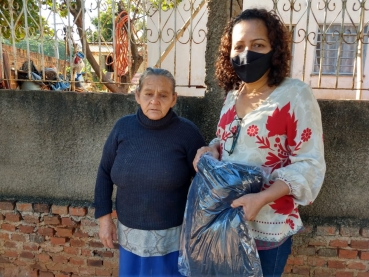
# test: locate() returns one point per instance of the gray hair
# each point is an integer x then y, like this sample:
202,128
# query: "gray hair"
157,72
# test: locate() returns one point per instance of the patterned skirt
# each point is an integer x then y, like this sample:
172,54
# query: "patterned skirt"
148,252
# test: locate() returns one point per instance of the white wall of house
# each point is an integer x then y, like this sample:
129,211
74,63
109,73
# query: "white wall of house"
303,66
186,60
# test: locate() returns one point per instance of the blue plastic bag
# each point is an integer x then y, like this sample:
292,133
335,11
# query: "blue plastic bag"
215,240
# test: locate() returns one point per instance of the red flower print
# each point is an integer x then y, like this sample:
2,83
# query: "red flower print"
283,205
290,222
306,134
281,122
252,130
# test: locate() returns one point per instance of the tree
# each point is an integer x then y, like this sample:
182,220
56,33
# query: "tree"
12,20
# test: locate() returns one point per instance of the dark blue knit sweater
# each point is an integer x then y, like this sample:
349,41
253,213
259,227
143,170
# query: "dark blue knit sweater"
150,161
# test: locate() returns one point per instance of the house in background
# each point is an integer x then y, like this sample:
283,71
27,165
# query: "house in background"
336,56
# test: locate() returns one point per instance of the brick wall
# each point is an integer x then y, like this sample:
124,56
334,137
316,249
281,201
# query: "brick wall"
22,56
330,250
42,240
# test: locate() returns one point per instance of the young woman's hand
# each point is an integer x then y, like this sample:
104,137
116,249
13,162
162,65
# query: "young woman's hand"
107,231
253,202
213,149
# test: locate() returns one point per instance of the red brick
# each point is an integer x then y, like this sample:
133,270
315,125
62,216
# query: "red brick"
316,261
64,232
103,272
363,274
10,244
67,221
62,275
8,227
347,254
364,255
56,267
4,260
359,244
339,243
11,253
349,231
77,261
318,242
356,265
115,272
303,270
58,241
327,252
41,208
13,217
4,236
364,232
2,217
31,246
323,272
27,255
86,252
44,258
31,219
96,244
71,250
7,205
61,210
80,234
60,259
306,251
336,264
77,243
27,229
87,270
52,220
96,263
18,237
77,211
24,207
110,264
46,274
326,230
109,254
46,231
344,274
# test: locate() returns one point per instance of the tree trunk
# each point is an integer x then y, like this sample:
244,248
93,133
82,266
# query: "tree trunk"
136,57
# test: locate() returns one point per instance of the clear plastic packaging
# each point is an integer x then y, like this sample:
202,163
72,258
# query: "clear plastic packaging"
215,240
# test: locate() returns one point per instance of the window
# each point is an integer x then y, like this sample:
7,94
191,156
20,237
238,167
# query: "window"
331,50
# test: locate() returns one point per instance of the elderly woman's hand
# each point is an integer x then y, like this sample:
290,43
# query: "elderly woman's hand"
213,149
107,231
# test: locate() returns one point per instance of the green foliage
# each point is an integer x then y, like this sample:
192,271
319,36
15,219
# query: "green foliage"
12,18
165,4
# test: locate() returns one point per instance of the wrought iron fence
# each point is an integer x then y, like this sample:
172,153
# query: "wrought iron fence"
329,42
102,42
96,45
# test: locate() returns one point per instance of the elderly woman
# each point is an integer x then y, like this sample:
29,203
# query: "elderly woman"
148,156
271,121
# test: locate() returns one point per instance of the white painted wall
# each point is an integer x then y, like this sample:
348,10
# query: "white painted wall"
302,66
186,60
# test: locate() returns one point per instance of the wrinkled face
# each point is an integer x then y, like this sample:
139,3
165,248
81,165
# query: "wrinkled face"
250,35
156,96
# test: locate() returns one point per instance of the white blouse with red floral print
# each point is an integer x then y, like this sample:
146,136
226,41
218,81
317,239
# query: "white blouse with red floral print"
284,136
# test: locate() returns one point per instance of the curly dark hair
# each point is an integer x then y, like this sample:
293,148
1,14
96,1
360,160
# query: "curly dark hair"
280,43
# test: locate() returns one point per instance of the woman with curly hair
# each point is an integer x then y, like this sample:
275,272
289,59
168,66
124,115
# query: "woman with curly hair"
271,121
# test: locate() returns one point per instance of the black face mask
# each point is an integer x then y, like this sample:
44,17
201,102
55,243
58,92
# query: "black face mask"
250,66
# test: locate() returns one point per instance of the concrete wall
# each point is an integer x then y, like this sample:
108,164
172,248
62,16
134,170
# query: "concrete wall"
51,144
